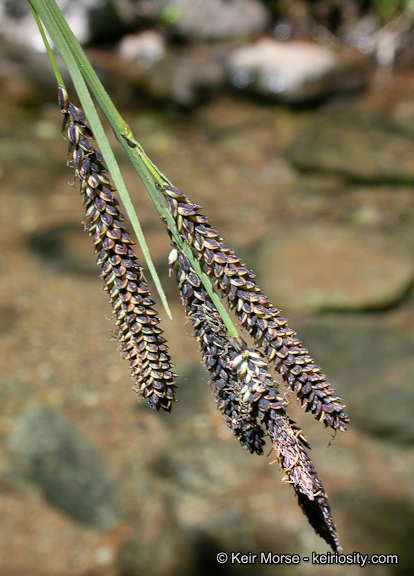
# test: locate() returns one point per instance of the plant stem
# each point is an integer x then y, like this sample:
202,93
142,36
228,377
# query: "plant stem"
78,65
41,8
58,75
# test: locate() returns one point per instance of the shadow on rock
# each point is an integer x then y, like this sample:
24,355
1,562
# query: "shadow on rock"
70,472
385,526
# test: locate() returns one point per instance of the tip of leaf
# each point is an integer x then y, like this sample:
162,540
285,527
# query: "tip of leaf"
167,310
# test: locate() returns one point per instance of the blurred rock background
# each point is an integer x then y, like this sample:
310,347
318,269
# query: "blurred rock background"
292,123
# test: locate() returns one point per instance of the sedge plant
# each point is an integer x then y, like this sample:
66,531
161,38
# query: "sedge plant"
212,281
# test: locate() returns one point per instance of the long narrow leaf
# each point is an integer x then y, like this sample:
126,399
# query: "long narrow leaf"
145,168
73,67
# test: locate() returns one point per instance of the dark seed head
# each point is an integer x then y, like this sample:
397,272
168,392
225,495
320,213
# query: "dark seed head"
63,99
77,114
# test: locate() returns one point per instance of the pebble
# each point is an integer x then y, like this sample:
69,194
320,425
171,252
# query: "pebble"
292,72
145,48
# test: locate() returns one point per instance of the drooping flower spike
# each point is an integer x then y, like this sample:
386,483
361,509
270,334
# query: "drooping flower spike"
255,312
137,321
248,398
243,387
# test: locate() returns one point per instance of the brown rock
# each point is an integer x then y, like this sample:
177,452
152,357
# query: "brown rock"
327,267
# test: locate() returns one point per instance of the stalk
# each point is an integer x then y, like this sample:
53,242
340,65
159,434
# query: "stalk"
81,71
243,385
40,9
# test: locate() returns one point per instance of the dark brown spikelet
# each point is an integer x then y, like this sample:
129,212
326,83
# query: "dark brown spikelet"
137,321
256,313
247,397
215,350
288,442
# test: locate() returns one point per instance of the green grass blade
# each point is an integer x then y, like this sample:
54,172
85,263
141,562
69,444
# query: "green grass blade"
88,107
145,168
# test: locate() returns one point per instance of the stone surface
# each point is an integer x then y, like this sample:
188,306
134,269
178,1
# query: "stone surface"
185,75
214,19
359,146
370,363
58,459
145,48
334,267
293,72
199,491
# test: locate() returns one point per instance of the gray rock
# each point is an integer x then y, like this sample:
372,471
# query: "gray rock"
71,473
359,146
185,76
334,267
294,72
369,360
210,19
90,20
145,48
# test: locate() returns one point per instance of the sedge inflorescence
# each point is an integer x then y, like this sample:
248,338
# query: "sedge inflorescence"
241,379
256,313
137,320
248,398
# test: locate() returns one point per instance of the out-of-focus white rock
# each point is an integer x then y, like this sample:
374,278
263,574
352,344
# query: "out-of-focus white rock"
145,49
293,72
208,19
89,20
